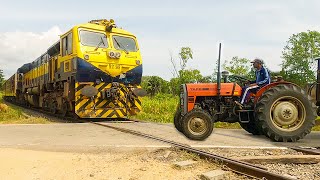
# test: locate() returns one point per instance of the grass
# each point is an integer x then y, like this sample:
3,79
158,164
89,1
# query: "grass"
15,115
317,126
162,107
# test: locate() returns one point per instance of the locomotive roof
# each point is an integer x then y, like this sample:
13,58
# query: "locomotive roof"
103,28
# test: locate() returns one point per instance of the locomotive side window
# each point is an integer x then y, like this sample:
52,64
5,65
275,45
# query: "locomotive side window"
94,39
64,45
67,45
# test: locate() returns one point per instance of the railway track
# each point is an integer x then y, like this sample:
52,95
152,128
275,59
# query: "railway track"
240,167
236,166
307,150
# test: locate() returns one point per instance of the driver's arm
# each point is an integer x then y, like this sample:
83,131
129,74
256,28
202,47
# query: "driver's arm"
264,77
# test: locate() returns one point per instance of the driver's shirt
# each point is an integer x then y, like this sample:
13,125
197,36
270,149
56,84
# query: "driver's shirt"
262,77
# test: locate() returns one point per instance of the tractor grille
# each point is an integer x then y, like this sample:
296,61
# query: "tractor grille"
183,99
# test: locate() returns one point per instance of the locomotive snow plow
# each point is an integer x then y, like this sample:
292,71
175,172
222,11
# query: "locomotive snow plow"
282,111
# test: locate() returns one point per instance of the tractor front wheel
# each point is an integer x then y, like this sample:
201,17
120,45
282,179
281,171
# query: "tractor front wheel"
197,124
177,120
285,113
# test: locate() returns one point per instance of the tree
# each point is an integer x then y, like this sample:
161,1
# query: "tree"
154,85
239,66
184,55
1,78
208,79
186,76
182,75
298,55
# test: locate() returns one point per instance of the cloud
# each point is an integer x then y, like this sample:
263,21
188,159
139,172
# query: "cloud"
246,28
18,48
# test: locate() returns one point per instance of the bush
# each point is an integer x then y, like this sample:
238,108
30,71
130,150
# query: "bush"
160,108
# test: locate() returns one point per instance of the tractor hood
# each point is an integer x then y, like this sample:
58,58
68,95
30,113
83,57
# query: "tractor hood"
211,89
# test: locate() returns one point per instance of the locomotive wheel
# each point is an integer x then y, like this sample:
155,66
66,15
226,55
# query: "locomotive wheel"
285,113
197,124
177,120
64,109
53,108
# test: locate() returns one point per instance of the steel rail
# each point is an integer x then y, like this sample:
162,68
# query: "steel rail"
240,167
307,150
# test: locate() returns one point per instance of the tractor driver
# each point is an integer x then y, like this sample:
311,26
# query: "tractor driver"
262,79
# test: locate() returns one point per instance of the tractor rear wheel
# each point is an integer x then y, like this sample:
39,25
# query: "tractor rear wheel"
197,124
285,113
251,127
177,120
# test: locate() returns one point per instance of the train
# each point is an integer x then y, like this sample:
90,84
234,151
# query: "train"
93,71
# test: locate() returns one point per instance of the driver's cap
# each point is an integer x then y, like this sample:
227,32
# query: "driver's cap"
257,60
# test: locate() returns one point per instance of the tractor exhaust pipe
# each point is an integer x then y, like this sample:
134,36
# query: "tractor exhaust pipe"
318,83
219,73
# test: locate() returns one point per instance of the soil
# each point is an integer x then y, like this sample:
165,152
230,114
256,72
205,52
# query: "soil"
133,164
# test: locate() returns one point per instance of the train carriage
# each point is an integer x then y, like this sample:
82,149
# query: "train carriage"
10,87
93,71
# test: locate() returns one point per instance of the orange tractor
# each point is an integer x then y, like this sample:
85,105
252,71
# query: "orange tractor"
281,110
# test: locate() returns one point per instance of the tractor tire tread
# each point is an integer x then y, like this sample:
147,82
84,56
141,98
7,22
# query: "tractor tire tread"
262,116
207,117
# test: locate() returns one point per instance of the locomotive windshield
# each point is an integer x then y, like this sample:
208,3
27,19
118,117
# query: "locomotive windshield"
124,43
89,38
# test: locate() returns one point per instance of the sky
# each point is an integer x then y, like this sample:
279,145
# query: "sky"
246,28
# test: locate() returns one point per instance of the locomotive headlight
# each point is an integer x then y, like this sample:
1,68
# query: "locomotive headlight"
112,54
138,62
86,57
117,55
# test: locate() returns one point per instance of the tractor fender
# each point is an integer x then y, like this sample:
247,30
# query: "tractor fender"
264,88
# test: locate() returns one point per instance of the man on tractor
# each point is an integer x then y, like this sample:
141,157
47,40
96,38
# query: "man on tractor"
262,79
281,110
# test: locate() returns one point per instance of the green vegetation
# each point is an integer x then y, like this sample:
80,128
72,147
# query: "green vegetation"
15,115
9,113
298,55
1,78
160,108
238,66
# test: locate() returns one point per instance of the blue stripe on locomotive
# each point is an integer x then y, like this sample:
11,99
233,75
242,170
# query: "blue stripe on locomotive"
86,72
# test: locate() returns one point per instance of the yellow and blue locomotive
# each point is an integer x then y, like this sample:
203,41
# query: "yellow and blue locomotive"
93,71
